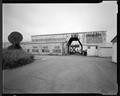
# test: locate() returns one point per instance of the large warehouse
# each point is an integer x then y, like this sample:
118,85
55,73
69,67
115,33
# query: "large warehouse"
67,43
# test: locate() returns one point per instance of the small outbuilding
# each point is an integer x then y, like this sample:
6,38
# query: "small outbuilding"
105,50
114,49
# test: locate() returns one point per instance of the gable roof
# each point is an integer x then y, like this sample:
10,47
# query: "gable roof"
114,39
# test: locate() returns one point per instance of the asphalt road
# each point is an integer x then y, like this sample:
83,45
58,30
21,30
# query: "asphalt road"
61,74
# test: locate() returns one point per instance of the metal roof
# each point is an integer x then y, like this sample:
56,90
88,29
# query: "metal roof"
66,33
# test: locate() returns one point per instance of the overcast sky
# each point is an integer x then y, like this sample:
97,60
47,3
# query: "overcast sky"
36,19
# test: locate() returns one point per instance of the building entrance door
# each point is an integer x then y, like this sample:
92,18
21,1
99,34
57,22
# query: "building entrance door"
73,49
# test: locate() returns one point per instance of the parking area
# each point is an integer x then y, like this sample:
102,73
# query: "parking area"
60,74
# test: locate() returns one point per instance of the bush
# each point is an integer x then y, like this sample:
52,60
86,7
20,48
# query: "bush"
15,58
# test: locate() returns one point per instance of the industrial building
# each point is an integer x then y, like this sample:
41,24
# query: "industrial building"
66,43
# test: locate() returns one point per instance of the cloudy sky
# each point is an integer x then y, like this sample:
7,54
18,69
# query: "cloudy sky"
36,19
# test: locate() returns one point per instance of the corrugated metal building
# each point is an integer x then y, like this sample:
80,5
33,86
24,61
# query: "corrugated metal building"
65,44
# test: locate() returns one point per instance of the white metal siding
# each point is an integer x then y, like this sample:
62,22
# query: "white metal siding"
114,54
92,51
105,52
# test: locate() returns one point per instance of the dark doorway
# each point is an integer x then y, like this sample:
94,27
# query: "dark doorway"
73,47
28,50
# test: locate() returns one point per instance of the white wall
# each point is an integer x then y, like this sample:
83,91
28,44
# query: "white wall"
92,51
84,47
105,52
114,52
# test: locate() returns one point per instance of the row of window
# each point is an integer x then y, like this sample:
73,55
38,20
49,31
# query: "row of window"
45,50
46,47
35,50
94,34
94,39
49,39
56,50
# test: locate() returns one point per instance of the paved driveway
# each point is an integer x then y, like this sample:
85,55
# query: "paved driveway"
63,74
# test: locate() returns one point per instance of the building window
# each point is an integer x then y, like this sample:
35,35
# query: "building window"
42,50
28,50
57,50
33,40
35,50
96,47
34,46
45,50
88,47
45,46
57,47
